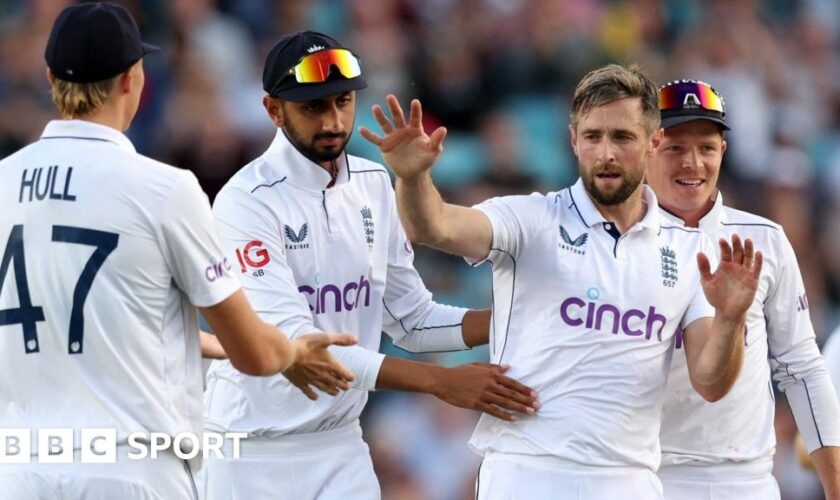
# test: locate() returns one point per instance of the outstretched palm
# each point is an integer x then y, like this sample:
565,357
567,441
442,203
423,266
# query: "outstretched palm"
406,148
731,288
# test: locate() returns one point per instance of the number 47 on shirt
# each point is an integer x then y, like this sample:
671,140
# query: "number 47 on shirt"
28,315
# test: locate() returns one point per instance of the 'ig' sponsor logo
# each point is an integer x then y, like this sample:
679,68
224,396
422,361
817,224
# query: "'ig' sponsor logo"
253,255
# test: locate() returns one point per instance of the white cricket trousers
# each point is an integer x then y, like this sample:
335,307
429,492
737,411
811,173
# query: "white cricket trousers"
166,477
329,465
505,476
730,481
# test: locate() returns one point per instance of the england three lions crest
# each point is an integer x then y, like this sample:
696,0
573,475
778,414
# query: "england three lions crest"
367,224
668,268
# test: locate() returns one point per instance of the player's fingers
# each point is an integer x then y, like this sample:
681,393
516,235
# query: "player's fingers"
396,110
759,262
416,116
340,339
325,385
495,412
508,404
340,370
737,249
725,250
749,252
704,266
307,391
518,387
524,402
437,138
381,119
370,136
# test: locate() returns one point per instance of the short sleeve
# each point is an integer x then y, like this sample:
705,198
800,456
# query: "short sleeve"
191,247
510,218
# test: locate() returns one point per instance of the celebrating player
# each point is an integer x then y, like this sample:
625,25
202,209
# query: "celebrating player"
316,238
725,450
590,285
105,253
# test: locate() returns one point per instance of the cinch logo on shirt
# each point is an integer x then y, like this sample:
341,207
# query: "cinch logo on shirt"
802,303
344,298
296,238
576,312
216,270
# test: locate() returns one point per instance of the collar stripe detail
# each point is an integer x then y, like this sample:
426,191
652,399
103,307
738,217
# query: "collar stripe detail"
268,185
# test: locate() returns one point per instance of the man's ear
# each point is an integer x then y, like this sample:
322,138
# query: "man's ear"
656,139
573,138
126,80
275,110
50,77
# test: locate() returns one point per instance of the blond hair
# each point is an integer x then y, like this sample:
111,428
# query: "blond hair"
613,82
76,100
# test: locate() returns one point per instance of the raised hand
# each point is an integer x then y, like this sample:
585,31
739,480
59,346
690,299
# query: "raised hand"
484,387
731,288
314,365
406,148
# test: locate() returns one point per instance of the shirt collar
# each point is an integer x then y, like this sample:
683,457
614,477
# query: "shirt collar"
287,161
589,214
85,130
709,222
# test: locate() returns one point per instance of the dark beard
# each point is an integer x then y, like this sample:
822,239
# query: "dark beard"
620,195
309,150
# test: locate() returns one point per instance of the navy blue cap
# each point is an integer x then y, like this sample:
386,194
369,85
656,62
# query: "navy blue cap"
286,53
92,42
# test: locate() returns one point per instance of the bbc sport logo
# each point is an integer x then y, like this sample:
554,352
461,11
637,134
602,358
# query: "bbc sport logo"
57,445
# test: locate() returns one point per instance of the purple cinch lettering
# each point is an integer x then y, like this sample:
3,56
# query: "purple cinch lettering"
308,289
652,319
600,314
565,314
625,322
336,297
363,283
348,306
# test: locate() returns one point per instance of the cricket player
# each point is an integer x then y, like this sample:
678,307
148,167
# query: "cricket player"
105,254
725,450
315,237
590,284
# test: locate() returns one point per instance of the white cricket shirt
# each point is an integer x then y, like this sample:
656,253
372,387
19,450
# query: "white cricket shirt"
104,250
586,317
831,354
739,427
313,258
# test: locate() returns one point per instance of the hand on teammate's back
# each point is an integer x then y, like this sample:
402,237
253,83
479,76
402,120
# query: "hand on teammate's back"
484,387
314,365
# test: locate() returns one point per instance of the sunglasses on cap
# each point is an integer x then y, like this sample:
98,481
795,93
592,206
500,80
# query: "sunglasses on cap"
316,67
690,94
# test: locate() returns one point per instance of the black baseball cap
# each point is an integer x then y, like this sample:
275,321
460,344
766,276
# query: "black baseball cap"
92,42
287,53
683,101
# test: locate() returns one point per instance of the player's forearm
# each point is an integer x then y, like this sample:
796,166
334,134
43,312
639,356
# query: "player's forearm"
421,209
253,346
397,374
476,327
826,461
718,363
211,348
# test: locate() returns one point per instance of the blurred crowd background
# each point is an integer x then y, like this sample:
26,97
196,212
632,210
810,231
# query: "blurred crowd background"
499,74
